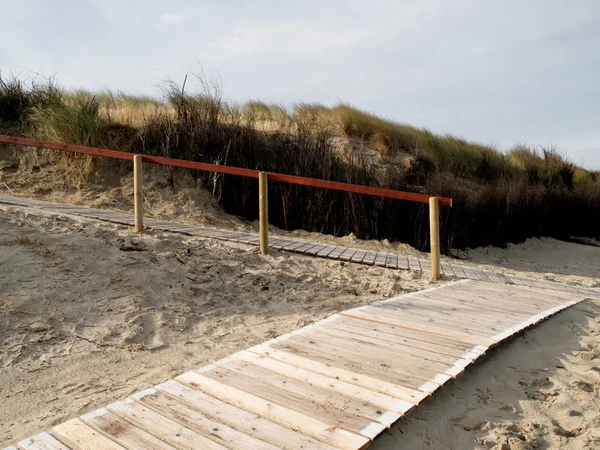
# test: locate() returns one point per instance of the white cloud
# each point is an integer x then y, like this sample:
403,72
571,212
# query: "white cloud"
174,19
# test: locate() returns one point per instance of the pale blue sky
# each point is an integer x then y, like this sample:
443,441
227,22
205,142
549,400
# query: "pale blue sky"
498,72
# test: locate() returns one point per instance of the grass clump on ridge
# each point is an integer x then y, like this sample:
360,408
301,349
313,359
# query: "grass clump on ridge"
498,197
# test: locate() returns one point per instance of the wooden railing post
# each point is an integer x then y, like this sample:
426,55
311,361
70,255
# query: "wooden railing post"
138,193
263,203
434,231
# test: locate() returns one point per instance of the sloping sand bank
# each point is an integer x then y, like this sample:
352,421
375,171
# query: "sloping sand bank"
540,391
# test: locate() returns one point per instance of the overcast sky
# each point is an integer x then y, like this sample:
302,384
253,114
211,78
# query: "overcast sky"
499,72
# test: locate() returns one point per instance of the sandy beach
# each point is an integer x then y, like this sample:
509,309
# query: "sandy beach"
90,312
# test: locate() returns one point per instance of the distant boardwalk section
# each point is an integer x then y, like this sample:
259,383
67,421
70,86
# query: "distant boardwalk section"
335,252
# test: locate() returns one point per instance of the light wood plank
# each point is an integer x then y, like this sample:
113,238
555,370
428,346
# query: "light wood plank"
473,325
123,432
240,419
345,397
460,335
396,338
361,367
374,359
453,323
162,427
315,428
415,358
432,301
459,303
515,293
80,436
420,356
310,405
409,395
194,420
339,387
348,254
358,256
388,332
42,441
504,300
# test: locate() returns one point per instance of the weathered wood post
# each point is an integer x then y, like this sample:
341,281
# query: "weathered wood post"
263,203
434,231
138,193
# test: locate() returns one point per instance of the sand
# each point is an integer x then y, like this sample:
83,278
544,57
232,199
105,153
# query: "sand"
161,304
91,312
539,391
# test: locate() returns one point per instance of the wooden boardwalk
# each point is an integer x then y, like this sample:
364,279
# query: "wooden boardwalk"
336,384
383,259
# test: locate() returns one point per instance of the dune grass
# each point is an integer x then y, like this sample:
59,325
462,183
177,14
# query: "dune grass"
499,197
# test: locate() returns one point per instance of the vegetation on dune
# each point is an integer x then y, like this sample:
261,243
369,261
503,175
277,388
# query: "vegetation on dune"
498,197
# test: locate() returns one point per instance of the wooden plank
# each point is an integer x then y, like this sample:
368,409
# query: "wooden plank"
461,335
166,429
352,359
295,245
447,269
332,385
458,271
421,356
348,254
379,357
425,265
458,303
319,409
78,435
403,262
42,441
413,263
305,246
467,319
482,275
240,419
123,432
492,301
514,291
431,302
196,421
324,253
462,324
359,256
465,332
380,259
452,302
279,243
315,249
323,431
369,258
408,339
336,253
410,395
507,300
361,368
322,397
402,332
